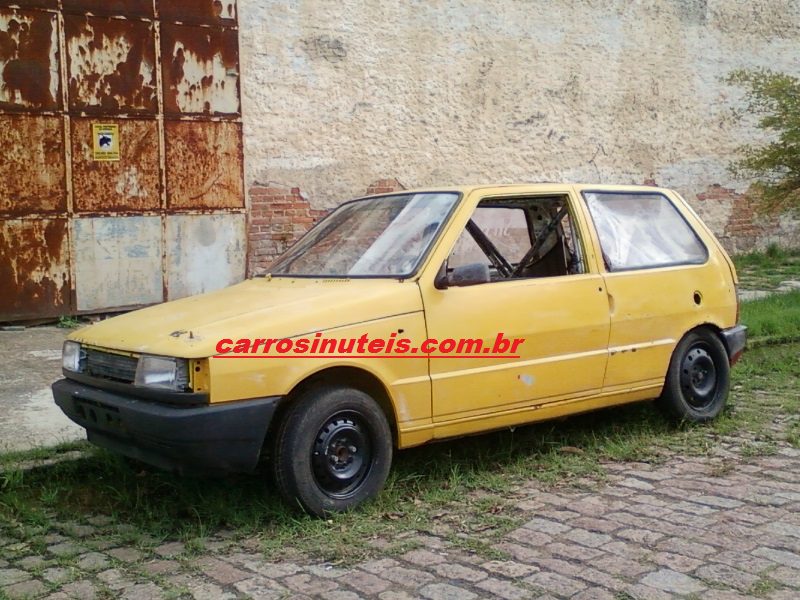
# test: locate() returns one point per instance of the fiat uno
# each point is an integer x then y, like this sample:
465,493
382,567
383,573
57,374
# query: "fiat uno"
612,295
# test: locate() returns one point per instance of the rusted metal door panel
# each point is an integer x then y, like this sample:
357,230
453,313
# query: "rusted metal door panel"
34,268
204,164
126,8
200,69
205,12
32,170
29,60
132,183
51,4
204,253
117,262
111,65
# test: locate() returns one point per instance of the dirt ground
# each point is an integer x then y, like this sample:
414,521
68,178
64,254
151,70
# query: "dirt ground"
30,360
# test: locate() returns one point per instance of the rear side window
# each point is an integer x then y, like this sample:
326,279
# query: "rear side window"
640,231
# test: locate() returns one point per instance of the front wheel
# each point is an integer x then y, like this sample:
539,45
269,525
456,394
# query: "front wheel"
333,450
698,379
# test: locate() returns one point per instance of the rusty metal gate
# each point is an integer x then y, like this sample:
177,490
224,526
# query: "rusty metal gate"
121,179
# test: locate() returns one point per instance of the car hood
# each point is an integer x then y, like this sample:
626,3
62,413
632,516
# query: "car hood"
276,307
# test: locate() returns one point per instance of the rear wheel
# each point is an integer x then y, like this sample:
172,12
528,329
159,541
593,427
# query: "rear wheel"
333,450
698,379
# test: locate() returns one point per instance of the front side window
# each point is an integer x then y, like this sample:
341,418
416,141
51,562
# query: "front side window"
640,231
375,237
522,237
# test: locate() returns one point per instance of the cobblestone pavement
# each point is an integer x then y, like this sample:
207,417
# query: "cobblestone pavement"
710,527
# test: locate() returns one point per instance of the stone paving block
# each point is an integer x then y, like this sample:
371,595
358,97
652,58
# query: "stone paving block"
499,588
530,537
588,538
170,549
508,568
546,526
681,546
423,558
366,583
676,562
31,562
327,571
115,579
673,582
455,571
376,567
727,576
93,561
56,574
128,555
12,576
160,567
254,562
221,571
574,551
640,536
206,590
262,588
396,595
411,578
143,591
596,525
782,557
446,591
25,589
65,549
80,590
310,585
555,583
594,593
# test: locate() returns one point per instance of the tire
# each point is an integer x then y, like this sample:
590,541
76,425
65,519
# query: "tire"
333,450
698,379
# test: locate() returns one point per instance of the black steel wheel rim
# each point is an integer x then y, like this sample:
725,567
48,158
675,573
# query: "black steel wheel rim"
342,455
699,376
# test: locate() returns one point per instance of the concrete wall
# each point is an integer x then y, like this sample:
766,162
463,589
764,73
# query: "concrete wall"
338,94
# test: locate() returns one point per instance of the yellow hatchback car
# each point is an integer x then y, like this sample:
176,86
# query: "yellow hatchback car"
417,316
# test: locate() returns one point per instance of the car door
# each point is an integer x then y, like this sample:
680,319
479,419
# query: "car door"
659,281
561,313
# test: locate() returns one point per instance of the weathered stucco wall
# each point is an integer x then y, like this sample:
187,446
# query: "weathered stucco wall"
338,94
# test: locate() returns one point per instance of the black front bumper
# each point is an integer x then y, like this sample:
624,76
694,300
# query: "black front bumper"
199,439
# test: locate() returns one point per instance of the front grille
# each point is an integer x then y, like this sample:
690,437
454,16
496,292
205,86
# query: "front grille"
111,366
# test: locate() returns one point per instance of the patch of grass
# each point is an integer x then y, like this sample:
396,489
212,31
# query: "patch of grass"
462,492
775,315
767,270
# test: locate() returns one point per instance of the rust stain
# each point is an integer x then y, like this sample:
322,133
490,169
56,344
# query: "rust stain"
111,65
205,12
32,168
204,165
127,8
51,4
34,274
200,67
28,60
132,183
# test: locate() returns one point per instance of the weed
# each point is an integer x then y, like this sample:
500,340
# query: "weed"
68,322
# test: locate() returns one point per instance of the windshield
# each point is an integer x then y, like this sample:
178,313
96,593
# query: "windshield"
379,237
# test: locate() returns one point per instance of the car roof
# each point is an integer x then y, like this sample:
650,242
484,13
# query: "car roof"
530,187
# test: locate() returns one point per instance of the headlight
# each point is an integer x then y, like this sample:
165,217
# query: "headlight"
71,356
162,372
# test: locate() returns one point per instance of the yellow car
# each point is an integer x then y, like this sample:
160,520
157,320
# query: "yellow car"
416,316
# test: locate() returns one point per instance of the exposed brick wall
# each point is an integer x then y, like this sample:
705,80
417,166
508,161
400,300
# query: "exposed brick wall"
278,216
384,186
745,228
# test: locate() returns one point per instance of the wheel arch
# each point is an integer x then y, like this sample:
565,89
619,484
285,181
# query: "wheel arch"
346,376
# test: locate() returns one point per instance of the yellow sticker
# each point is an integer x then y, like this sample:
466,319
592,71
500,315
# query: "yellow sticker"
105,142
